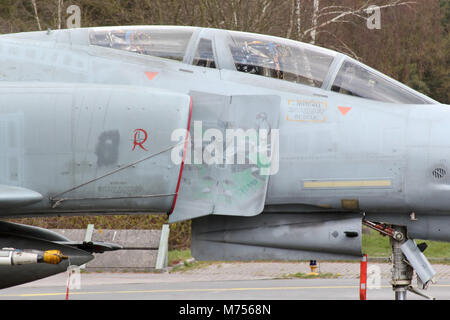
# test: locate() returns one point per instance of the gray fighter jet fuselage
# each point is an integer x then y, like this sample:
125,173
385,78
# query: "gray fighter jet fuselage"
142,119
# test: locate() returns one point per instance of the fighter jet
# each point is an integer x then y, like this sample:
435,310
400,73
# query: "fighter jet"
274,148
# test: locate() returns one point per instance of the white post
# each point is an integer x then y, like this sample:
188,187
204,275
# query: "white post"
88,238
163,251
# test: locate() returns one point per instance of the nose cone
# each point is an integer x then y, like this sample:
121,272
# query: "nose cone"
18,238
428,161
15,275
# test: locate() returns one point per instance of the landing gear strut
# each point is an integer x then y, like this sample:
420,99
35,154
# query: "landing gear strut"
402,272
406,257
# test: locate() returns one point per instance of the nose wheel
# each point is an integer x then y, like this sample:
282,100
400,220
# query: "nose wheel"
406,258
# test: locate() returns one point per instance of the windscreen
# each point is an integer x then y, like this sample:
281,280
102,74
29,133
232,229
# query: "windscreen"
355,80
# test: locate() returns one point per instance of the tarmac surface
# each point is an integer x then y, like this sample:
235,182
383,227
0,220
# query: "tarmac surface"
223,281
287,289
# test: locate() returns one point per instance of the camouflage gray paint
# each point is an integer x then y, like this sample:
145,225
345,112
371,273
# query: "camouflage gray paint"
86,120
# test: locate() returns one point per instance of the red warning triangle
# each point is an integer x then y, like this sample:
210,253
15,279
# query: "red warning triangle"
151,75
344,110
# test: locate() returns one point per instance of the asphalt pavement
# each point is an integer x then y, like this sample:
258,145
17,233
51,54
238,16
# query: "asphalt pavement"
148,286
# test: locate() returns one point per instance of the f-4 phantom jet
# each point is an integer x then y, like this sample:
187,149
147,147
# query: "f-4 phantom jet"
275,149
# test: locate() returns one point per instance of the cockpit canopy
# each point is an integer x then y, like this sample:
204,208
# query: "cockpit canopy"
162,42
278,58
261,55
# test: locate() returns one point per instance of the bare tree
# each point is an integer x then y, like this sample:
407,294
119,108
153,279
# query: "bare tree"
60,5
339,14
321,18
315,18
33,2
298,12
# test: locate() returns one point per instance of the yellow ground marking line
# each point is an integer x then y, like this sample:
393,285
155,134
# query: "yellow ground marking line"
347,183
72,293
177,290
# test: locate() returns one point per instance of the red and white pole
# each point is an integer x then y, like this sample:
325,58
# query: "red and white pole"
363,279
69,270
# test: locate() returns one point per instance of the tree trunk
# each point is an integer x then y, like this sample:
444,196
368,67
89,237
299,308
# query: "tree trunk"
33,2
315,17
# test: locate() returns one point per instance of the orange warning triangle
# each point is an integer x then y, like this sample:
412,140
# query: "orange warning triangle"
344,110
151,75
